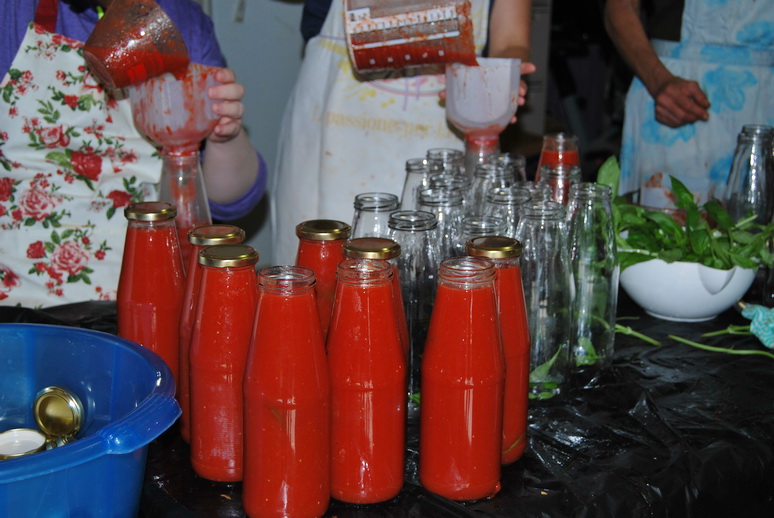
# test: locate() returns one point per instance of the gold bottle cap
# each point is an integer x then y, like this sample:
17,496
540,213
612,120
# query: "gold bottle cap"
228,256
150,211
18,442
494,247
371,248
208,235
323,230
59,413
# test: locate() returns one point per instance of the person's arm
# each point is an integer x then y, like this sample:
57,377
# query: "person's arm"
678,101
510,24
230,164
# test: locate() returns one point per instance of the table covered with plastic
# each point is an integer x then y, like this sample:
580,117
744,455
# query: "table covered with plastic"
667,430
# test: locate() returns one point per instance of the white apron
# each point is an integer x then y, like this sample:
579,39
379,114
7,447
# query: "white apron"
728,47
70,160
342,136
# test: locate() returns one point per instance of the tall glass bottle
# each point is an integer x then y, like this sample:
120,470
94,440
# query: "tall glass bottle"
418,263
595,273
199,238
750,186
558,148
505,252
463,376
417,175
486,177
182,184
545,273
477,226
505,203
446,160
516,162
447,207
372,213
383,249
367,369
321,249
477,148
558,178
225,310
151,283
287,400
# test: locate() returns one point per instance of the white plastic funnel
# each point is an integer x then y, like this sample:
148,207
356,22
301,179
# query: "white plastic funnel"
483,98
175,112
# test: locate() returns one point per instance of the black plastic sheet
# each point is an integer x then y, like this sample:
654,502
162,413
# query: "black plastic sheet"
666,430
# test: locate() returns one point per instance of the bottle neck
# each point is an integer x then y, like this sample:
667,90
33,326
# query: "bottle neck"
286,280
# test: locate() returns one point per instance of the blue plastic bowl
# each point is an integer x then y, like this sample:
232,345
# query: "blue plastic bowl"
127,393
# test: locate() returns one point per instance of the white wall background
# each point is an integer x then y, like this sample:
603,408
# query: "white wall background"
261,40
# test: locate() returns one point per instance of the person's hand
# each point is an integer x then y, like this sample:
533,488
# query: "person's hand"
526,68
229,107
679,101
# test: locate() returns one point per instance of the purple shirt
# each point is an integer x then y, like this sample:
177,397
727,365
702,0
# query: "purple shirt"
199,36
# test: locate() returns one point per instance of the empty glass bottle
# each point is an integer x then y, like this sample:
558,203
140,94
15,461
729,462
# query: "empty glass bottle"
518,163
505,203
750,186
446,205
418,263
595,274
446,160
559,178
372,212
486,177
417,176
545,271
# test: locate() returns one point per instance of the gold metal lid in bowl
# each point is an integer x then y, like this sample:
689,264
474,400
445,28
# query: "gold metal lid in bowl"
59,414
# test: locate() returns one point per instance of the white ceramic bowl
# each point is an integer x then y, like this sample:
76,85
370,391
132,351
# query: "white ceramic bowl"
685,292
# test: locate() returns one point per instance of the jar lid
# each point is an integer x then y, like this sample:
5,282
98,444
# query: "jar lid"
494,247
217,234
18,442
58,412
323,230
150,211
371,248
228,256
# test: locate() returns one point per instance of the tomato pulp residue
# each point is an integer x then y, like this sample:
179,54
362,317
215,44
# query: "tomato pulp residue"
434,36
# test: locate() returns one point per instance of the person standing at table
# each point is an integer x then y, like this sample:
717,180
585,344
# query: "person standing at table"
703,69
344,134
71,158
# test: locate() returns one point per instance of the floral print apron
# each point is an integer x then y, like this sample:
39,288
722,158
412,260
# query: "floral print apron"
342,136
728,47
70,160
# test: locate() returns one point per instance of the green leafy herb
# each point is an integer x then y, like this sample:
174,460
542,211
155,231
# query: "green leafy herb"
744,352
708,235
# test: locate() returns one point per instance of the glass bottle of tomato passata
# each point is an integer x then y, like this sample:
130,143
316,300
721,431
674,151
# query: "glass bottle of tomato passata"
558,148
383,249
504,252
367,369
321,249
225,310
151,283
198,238
287,400
463,376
